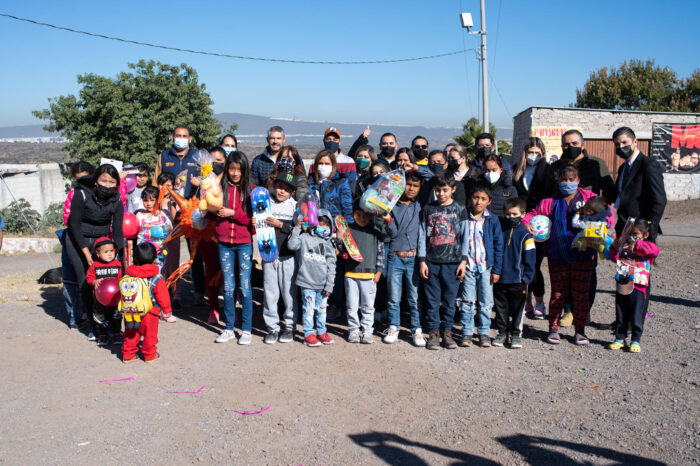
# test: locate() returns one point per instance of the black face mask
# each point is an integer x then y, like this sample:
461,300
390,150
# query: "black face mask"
420,153
388,151
332,146
453,164
571,153
104,192
85,181
218,167
483,152
514,221
624,152
436,168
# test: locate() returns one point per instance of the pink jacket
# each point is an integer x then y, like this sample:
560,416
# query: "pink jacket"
66,206
545,207
645,253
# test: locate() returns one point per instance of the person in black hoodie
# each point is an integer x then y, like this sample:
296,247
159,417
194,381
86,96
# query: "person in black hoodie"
96,211
535,180
500,183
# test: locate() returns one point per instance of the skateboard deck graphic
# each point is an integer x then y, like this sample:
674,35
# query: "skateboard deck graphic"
348,240
266,236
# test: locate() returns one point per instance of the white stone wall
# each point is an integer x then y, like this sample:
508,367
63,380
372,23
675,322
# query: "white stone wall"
40,184
681,187
13,246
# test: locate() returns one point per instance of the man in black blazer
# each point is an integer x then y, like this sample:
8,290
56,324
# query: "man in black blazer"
640,184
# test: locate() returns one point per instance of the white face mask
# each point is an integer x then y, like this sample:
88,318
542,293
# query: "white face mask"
181,143
493,176
228,149
324,171
532,159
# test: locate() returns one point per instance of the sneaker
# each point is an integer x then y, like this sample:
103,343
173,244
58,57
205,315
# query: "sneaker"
553,338
567,319
325,339
134,358
286,336
154,358
367,338
418,338
616,345
539,312
354,336
171,319
73,326
500,339
225,336
213,317
433,340
516,342
484,341
271,338
447,340
102,340
311,340
245,339
91,336
528,310
466,341
581,339
635,347
391,336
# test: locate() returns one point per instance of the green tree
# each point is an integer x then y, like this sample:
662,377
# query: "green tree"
471,130
689,94
20,217
131,117
635,85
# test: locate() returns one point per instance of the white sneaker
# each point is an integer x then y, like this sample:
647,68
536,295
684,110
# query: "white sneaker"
245,338
418,339
225,336
391,336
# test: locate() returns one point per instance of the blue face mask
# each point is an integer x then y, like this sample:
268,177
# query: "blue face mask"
228,150
436,168
332,146
323,232
567,188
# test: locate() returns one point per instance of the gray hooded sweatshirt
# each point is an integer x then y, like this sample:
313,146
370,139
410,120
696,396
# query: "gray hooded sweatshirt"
315,257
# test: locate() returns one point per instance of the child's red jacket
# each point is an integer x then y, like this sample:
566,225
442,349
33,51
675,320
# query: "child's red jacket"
99,270
160,291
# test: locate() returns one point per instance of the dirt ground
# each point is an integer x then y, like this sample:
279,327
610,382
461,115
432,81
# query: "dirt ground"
359,404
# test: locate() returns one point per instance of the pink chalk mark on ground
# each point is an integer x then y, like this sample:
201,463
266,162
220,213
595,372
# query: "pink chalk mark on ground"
252,412
650,314
118,380
191,393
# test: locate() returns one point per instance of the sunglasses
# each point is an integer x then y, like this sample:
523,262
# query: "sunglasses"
420,147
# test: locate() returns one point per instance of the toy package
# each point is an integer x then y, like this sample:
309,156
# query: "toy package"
383,195
210,195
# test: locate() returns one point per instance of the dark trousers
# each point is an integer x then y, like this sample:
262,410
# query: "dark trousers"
574,280
630,311
106,320
441,289
508,302
197,270
537,285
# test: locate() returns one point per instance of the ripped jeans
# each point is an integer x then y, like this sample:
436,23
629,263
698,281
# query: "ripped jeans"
314,305
236,260
476,288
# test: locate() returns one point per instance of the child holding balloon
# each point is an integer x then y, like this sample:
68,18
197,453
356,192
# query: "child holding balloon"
105,266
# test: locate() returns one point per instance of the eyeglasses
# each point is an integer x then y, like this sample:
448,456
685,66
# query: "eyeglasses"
424,146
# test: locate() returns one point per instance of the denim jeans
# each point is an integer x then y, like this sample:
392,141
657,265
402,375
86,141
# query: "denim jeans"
71,295
402,274
237,258
440,292
476,287
313,302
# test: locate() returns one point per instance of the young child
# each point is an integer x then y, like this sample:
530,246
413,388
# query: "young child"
634,260
518,270
315,274
134,199
442,249
484,254
401,271
594,210
279,276
361,277
172,247
145,267
105,265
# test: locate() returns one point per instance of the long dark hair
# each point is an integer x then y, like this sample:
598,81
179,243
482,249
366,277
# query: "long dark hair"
108,169
298,164
245,184
522,160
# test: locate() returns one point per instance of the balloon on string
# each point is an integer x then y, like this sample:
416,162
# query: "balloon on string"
130,225
130,182
107,292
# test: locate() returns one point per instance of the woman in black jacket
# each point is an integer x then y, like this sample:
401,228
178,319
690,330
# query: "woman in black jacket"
96,210
535,180
500,183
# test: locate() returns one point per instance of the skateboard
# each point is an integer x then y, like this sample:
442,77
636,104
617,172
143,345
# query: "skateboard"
308,211
383,195
348,240
265,234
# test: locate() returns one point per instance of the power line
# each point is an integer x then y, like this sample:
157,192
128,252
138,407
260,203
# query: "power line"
225,55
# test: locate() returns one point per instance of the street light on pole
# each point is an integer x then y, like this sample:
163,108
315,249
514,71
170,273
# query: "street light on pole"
468,23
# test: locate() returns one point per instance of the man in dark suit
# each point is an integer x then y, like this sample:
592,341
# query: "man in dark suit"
640,184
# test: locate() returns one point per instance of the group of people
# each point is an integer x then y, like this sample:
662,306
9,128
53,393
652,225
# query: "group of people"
457,244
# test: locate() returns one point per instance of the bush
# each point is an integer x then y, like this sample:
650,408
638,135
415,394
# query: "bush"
14,220
53,216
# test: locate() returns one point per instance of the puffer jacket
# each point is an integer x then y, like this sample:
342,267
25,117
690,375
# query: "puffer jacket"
500,191
335,195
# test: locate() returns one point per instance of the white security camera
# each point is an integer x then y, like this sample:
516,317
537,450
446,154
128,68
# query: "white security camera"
467,21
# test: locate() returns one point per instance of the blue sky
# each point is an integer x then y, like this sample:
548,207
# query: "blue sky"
539,53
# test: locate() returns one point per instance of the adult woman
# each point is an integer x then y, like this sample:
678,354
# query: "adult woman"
234,231
364,157
500,183
330,188
377,169
289,160
229,143
96,210
534,180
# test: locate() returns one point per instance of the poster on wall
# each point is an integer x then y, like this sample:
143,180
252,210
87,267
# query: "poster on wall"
676,146
551,137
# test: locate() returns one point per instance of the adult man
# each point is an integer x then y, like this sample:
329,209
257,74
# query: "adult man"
437,164
420,149
263,164
640,188
593,172
346,165
178,159
387,145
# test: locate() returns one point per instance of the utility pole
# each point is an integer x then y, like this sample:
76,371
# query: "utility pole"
468,23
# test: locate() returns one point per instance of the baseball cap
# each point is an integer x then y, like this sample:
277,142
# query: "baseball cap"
287,178
332,129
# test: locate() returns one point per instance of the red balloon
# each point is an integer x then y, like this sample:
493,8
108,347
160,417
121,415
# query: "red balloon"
107,292
130,225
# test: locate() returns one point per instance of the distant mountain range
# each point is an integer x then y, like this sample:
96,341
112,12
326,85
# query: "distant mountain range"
252,130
